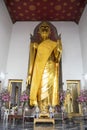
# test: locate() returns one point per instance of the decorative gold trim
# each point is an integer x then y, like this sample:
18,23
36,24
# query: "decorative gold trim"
73,82
15,80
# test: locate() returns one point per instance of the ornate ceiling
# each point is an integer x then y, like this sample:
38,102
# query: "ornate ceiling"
49,10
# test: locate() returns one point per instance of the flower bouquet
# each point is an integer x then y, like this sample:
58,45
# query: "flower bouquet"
24,98
82,98
5,96
62,96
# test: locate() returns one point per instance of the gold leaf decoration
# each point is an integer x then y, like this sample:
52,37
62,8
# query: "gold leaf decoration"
21,14
57,7
72,1
14,11
45,14
38,11
78,4
57,14
62,17
70,7
44,7
27,17
51,11
19,7
63,11
32,7
38,4
44,0
26,11
81,9
76,11
33,14
16,17
65,4
51,3
17,0
25,4
12,3
68,14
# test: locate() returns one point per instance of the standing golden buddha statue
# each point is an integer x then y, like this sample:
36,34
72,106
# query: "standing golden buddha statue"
43,72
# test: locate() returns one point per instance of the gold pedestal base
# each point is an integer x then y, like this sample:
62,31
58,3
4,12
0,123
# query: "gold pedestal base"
44,120
44,115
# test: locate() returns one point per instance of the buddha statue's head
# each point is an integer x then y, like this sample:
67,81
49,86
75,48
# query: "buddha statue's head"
44,30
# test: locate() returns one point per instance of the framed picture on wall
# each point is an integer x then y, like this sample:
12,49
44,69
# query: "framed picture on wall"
15,88
73,90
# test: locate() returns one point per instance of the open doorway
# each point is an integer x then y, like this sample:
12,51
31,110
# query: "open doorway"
15,88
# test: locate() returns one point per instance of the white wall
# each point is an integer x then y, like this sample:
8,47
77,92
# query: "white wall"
71,58
5,34
17,65
83,38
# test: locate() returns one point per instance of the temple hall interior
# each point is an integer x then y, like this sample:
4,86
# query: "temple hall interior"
43,64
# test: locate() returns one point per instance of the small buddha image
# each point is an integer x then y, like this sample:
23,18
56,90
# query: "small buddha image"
68,102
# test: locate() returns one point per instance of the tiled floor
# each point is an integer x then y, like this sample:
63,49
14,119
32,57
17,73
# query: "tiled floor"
59,125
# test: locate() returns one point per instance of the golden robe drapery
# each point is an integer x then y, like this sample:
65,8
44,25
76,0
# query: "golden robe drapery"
44,85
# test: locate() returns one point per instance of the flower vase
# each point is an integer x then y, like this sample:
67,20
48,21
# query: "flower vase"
84,108
26,106
22,104
6,104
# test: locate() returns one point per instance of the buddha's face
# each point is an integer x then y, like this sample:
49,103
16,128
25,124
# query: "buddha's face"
44,30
